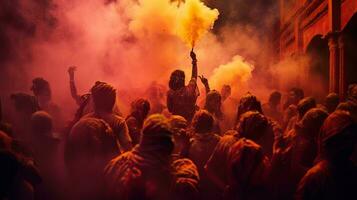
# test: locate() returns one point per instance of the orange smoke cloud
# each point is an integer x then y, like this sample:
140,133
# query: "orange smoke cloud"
236,73
194,20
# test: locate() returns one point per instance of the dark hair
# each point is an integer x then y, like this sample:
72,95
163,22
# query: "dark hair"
140,109
104,96
247,103
252,125
41,122
41,86
202,121
25,103
275,97
177,80
214,96
299,93
305,105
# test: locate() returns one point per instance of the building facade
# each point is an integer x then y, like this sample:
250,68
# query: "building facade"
332,23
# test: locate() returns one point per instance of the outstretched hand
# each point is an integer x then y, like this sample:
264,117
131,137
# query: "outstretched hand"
203,80
193,56
71,70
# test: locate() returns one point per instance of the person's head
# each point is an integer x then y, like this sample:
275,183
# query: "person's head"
247,103
350,107
103,96
156,136
202,122
295,95
140,108
252,125
91,139
177,80
305,105
247,165
312,122
275,98
41,123
214,102
41,88
337,136
25,103
331,102
178,125
226,92
90,145
352,92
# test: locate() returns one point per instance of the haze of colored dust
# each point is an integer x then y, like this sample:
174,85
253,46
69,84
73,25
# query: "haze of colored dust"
131,44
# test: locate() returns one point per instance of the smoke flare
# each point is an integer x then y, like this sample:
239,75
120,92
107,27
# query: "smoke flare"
194,20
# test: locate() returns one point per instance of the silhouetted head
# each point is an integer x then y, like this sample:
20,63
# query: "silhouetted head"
312,122
226,92
90,145
247,103
41,123
337,136
140,108
252,125
24,103
178,125
41,88
202,122
350,107
179,129
213,103
331,102
295,95
103,96
275,98
177,80
156,136
305,105
352,92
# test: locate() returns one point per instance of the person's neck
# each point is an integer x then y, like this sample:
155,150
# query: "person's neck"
102,112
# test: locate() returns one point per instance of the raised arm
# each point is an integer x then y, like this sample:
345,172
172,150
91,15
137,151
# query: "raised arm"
194,65
205,83
72,85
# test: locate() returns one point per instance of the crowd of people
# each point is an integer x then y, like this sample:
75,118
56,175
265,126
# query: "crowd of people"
220,148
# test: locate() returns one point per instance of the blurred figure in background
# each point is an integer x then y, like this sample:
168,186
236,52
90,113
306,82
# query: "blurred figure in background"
25,105
46,149
229,105
272,109
295,153
303,106
331,102
42,90
140,108
334,176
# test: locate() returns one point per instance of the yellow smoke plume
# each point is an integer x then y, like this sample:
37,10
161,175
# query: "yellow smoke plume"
194,20
236,73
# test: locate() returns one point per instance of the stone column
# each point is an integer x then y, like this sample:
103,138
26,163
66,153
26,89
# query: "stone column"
334,62
342,67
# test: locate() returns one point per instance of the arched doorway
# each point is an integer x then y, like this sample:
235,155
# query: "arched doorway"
350,57
318,69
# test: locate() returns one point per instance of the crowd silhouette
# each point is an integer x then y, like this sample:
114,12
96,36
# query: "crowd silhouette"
229,148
